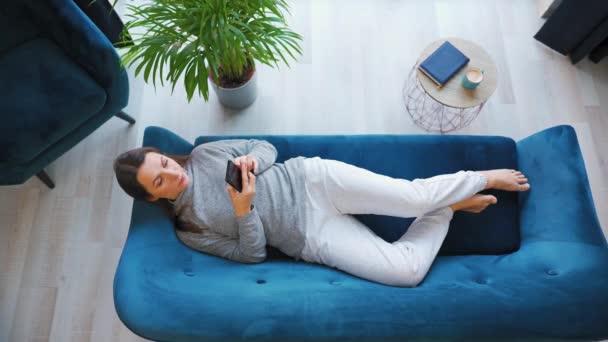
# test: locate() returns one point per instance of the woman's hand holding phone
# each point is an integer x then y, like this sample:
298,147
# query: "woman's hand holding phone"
242,201
250,161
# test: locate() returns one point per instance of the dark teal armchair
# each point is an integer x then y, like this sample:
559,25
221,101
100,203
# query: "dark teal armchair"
60,79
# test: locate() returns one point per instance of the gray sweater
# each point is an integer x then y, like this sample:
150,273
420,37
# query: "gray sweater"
274,220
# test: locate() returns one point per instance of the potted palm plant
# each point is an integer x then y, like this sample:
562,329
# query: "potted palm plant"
217,40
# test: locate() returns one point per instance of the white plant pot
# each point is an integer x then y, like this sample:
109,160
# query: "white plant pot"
239,97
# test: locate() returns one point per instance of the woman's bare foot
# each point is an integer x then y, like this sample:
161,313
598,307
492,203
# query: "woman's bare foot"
506,179
475,204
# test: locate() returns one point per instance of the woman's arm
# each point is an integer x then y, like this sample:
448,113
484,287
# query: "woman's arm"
249,247
263,151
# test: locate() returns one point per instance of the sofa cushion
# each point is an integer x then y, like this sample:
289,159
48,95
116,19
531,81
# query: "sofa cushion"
494,231
44,95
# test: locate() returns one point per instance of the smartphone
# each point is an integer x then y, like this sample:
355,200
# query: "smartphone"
233,176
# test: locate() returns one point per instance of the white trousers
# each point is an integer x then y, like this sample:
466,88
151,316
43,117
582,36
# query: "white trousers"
334,238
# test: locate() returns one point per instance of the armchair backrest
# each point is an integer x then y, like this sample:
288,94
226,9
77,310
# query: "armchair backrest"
64,23
16,26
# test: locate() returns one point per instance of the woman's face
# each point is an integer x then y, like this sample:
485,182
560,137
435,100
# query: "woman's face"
162,176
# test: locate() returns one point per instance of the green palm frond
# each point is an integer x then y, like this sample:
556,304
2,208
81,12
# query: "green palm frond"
195,38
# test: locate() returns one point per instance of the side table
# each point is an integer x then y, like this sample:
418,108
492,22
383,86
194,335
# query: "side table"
452,107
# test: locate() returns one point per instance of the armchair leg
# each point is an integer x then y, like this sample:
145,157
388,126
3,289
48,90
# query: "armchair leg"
125,117
45,179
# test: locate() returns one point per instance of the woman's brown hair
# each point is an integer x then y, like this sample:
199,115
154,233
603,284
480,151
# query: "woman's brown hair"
126,166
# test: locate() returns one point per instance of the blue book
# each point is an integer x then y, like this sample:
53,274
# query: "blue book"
443,63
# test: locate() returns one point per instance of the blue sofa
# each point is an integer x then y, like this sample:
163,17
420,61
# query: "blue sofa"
60,79
547,279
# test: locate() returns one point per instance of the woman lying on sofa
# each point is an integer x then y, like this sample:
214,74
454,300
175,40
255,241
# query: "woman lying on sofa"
303,206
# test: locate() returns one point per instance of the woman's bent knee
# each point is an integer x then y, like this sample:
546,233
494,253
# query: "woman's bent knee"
408,276
409,281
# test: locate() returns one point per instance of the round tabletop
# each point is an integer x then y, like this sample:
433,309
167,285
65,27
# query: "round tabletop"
453,94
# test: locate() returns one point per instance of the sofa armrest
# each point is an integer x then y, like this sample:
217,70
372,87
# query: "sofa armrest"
79,37
559,205
166,141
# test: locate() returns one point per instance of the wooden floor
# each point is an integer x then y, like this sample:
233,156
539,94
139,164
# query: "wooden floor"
60,248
